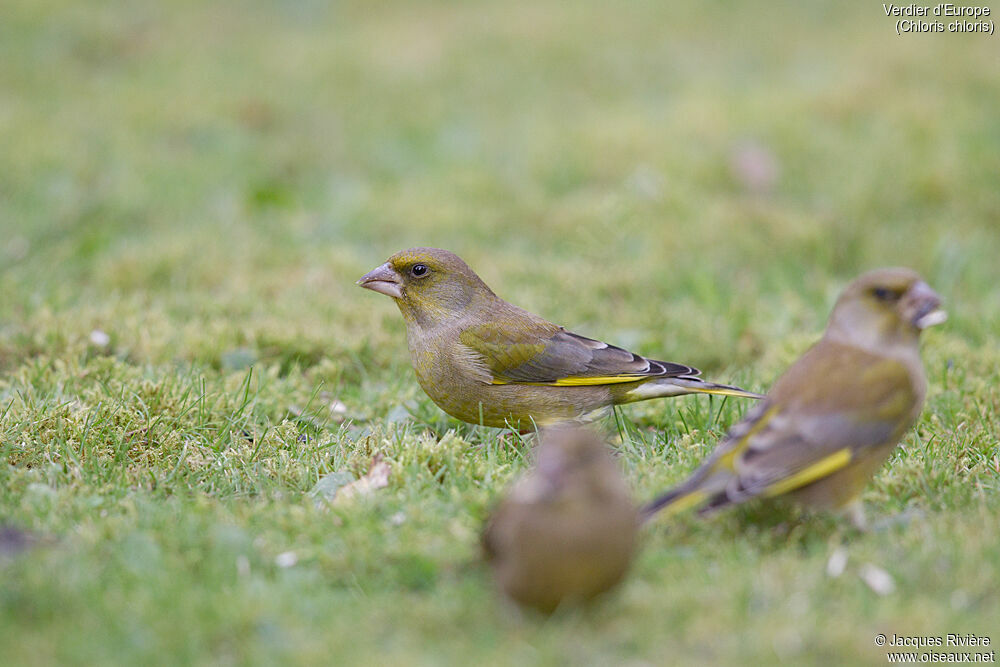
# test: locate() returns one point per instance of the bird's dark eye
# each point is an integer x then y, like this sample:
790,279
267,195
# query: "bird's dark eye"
885,294
419,270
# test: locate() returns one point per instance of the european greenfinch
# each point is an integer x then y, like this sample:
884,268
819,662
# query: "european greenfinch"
488,362
567,530
831,421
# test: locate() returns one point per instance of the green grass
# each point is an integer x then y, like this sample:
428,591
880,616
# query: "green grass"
204,182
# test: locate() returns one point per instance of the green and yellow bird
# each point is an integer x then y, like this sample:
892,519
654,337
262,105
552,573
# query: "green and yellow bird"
488,362
566,532
831,421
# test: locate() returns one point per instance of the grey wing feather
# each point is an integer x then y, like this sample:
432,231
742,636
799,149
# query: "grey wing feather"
570,355
784,448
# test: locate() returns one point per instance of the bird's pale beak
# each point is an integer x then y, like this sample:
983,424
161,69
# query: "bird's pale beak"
383,279
924,306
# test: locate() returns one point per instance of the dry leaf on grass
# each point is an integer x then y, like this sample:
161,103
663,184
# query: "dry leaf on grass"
333,488
837,563
877,579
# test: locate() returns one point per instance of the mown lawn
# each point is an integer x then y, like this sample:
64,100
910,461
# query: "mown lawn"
189,190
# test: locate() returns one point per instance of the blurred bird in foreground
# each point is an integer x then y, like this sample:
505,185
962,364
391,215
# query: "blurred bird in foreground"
833,418
567,530
485,361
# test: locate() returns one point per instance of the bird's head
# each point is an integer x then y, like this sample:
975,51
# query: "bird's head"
428,284
573,460
885,307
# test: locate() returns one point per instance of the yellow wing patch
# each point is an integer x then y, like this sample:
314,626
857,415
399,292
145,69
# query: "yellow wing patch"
584,381
687,501
822,468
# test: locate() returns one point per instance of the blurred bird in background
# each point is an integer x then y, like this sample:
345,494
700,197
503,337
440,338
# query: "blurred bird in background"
567,530
833,418
485,361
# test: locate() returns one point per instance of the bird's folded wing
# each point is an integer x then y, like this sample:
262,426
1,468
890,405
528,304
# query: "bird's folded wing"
795,438
799,450
561,359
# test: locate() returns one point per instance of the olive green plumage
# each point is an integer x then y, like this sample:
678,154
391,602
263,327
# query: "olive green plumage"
567,530
833,418
483,360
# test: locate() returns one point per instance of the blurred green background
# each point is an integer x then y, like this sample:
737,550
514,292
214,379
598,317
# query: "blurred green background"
189,189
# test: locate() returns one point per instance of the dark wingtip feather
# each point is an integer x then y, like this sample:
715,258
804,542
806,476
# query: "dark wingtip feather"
672,369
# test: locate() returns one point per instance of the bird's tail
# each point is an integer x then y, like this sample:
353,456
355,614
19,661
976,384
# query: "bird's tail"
680,385
702,387
705,489
685,496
